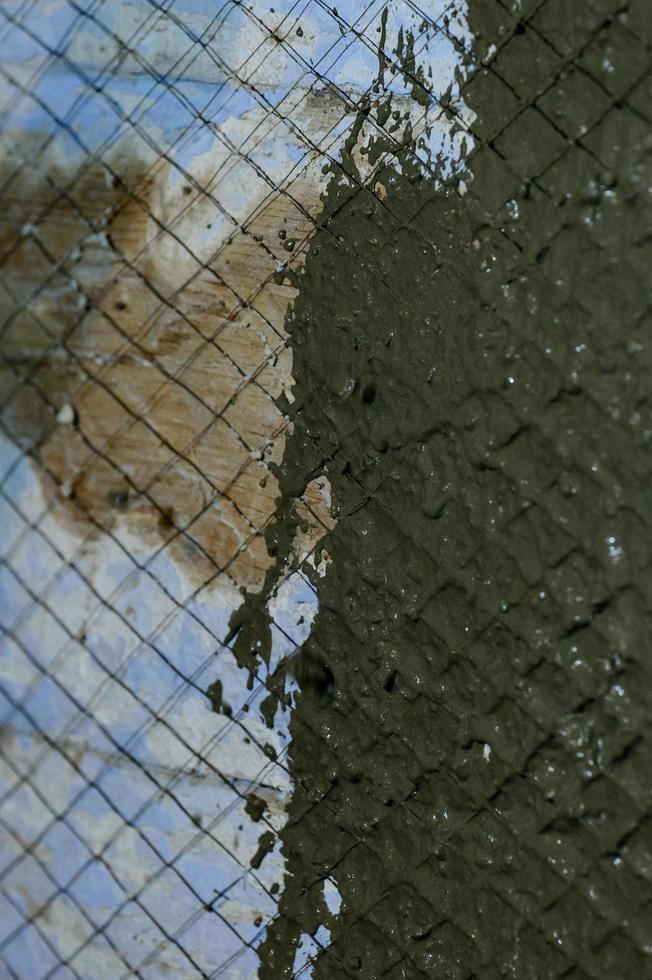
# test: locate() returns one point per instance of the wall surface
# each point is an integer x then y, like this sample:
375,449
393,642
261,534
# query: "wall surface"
325,489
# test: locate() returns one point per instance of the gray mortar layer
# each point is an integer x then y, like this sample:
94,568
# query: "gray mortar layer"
471,745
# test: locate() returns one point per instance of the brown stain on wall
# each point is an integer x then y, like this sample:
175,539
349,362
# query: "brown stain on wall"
141,359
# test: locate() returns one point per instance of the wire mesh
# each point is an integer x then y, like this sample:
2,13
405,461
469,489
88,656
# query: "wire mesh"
161,164
161,178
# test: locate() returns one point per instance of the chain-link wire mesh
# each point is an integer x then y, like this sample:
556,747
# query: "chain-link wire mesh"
162,165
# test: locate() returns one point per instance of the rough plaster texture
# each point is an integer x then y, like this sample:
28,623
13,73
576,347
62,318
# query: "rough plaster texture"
160,167
471,744
451,778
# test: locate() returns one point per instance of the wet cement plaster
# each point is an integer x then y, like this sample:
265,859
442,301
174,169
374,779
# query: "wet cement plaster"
471,738
142,347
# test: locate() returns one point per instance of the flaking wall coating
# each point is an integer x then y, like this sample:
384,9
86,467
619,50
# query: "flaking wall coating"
158,165
471,745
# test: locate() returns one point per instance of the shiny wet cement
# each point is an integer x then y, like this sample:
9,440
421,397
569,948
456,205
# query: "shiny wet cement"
471,744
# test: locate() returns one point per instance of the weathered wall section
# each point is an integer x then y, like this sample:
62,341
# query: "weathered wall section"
423,750
160,166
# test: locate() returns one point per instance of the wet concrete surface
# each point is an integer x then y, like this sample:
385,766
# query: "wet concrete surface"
471,742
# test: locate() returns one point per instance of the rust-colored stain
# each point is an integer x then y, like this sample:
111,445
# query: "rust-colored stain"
143,348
